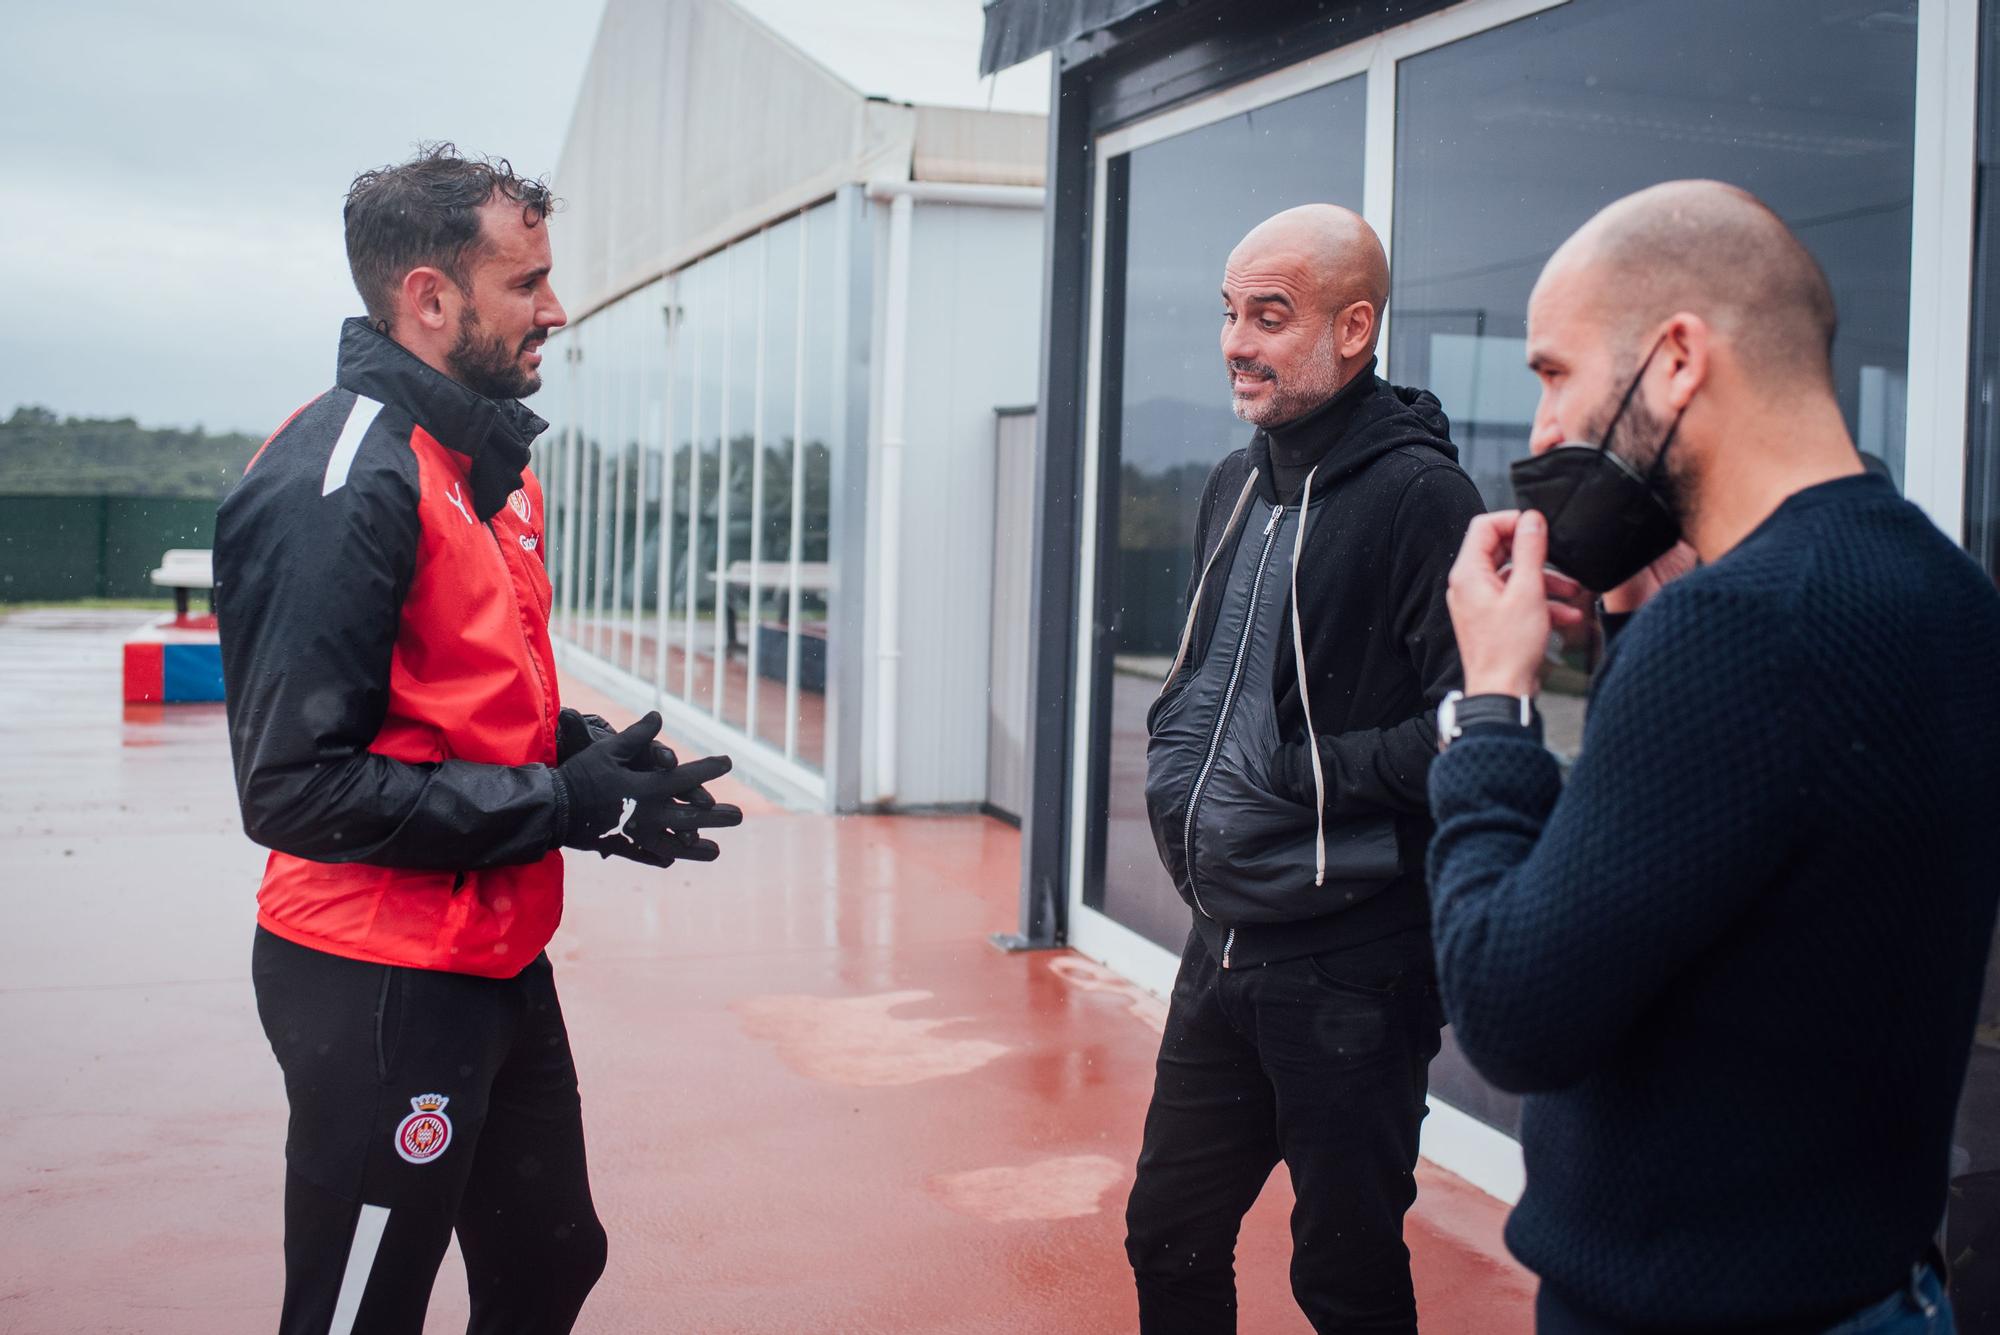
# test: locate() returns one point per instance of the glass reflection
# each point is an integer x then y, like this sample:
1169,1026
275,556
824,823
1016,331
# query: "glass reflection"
784,298
1176,209
1506,142
738,467
679,489
709,336
1972,1232
826,269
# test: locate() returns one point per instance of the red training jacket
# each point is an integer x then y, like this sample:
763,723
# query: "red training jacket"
392,699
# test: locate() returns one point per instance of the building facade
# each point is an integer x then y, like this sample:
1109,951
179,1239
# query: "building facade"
773,464
1474,136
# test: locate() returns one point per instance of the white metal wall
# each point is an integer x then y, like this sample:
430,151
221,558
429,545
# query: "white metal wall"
974,331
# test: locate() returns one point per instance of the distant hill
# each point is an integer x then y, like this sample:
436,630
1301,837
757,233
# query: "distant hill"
44,455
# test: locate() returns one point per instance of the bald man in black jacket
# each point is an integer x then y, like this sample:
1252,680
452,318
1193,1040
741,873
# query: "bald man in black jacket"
1286,785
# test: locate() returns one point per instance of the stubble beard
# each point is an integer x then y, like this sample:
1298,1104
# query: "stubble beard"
1316,382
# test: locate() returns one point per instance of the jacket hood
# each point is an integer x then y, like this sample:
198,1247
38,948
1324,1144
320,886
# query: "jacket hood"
495,434
1385,419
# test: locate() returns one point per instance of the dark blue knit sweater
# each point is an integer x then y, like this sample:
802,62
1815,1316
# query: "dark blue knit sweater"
1734,963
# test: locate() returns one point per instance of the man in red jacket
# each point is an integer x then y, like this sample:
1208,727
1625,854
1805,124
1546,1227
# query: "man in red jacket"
401,749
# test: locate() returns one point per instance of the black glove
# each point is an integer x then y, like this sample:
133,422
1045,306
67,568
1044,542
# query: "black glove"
625,796
575,731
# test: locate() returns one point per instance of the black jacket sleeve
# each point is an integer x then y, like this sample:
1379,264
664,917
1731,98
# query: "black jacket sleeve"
1385,769
309,593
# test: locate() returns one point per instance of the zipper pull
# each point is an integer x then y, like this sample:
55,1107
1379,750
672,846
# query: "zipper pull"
1277,513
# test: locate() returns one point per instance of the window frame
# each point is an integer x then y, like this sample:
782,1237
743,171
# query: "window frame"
1935,452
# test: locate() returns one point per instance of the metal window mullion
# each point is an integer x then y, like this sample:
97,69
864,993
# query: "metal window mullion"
573,493
1942,227
590,485
756,495
716,692
663,612
793,608
601,547
694,520
638,517
567,492
1089,535
1378,170
637,613
617,545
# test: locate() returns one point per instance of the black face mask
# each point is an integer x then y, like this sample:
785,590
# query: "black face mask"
1607,521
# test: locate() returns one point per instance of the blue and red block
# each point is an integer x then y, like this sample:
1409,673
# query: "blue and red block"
175,660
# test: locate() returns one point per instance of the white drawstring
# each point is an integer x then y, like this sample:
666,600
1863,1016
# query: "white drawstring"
1194,604
1305,696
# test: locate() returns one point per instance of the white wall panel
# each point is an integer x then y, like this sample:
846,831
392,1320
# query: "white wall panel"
974,338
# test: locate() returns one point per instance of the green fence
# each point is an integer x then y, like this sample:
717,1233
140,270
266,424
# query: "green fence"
55,548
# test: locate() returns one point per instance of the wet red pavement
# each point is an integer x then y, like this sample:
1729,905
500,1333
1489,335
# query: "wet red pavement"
817,1100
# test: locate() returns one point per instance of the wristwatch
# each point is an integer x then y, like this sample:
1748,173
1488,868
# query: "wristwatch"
1459,711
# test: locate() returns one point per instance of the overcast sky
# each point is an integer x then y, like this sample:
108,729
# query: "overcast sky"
170,243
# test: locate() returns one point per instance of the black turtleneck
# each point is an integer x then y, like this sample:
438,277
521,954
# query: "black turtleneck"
1298,445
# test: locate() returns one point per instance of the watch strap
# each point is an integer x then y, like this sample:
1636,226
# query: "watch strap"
1498,715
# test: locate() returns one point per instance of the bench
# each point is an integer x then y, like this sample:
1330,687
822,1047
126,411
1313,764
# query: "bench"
185,568
179,660
776,577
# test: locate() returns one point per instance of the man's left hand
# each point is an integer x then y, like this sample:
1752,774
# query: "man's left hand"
1501,609
575,731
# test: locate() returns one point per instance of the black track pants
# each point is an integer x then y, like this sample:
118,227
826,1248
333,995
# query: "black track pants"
422,1103
1322,1062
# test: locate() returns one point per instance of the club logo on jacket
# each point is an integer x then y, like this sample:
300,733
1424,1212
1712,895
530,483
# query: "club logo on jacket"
457,499
530,541
518,503
426,1132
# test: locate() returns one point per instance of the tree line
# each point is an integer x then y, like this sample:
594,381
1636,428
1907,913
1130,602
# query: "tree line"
42,454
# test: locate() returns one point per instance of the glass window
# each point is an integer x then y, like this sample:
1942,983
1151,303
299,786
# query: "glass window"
1176,209
812,522
684,353
551,450
590,592
620,415
770,632
706,330
743,305
649,346
1972,1221
690,481
1508,141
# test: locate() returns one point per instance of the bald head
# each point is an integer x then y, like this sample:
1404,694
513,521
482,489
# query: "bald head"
1302,299
1711,250
1334,247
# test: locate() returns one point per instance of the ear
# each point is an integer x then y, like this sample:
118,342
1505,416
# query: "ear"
1687,344
424,296
1357,330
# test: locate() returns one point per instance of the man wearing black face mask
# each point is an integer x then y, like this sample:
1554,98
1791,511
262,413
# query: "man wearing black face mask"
1734,961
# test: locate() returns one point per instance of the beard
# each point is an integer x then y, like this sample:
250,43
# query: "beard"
487,364
1637,438
1292,397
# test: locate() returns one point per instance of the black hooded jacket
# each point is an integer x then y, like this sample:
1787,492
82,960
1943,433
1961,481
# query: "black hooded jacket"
1389,507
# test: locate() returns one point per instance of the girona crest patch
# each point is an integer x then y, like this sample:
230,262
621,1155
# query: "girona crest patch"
426,1132
518,502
